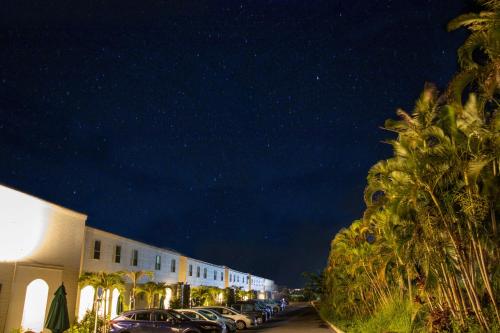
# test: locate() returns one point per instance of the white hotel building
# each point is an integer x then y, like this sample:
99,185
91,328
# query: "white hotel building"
43,245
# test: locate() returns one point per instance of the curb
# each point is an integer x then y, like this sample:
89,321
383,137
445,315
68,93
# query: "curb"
333,327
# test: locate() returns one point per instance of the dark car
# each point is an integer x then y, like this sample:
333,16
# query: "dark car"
262,305
259,306
251,309
160,321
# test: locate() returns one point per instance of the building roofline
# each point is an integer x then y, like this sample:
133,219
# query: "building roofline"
135,241
205,262
48,203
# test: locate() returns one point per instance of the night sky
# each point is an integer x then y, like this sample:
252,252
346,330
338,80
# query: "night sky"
235,132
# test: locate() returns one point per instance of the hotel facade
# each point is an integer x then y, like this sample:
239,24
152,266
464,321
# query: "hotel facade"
43,245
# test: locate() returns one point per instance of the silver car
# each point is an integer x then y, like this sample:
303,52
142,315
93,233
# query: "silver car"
199,315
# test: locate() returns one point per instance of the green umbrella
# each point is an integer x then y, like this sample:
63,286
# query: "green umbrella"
119,304
58,319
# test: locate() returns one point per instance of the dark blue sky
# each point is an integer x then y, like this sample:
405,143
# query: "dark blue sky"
235,132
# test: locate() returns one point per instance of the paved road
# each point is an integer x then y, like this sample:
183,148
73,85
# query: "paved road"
296,318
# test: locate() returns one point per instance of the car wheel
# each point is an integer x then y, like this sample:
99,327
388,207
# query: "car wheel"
241,325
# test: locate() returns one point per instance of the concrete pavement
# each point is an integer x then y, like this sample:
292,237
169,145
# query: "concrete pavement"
297,318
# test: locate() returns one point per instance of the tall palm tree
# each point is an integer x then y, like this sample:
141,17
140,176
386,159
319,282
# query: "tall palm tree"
485,38
134,277
424,227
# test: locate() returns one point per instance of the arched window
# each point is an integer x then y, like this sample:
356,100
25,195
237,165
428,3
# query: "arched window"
168,297
86,301
35,304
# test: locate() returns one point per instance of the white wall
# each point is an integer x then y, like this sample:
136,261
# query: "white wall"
269,285
238,279
146,259
53,255
257,283
209,280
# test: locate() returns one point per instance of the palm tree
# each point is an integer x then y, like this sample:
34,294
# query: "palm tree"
426,229
160,292
149,289
107,282
484,37
429,231
201,295
134,277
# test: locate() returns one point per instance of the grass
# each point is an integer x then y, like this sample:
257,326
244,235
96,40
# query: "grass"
396,317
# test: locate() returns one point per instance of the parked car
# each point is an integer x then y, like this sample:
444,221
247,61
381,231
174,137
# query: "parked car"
243,321
160,321
259,306
228,325
275,305
251,309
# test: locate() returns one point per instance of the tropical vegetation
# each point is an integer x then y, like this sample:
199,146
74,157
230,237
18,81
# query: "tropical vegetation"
106,283
425,256
134,277
154,292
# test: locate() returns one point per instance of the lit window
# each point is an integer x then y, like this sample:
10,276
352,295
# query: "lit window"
172,265
118,254
190,270
97,249
204,273
198,271
135,258
158,263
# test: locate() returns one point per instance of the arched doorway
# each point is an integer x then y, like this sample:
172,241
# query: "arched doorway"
35,304
168,297
114,303
86,301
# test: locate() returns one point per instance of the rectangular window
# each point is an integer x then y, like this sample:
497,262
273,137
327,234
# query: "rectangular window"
221,276
158,263
198,271
238,277
118,254
190,270
172,265
97,249
215,275
230,278
204,273
135,258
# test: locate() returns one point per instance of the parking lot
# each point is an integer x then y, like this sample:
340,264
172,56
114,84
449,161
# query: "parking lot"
300,317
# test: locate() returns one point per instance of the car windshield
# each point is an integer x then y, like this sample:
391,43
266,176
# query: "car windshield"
178,315
232,311
190,314
209,315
